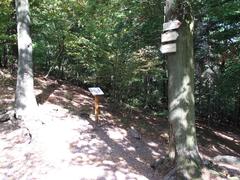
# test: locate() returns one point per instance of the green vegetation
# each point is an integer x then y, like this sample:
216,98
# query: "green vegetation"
115,45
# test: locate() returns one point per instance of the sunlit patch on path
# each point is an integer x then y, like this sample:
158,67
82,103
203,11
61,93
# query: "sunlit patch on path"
67,143
68,146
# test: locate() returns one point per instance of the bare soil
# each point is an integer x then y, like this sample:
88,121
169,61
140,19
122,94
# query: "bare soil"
66,142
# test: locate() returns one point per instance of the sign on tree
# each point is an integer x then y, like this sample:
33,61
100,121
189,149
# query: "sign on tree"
170,25
169,36
168,48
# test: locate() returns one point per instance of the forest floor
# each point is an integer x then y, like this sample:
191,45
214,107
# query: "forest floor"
67,144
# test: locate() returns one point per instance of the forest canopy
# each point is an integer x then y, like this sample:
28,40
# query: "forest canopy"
115,45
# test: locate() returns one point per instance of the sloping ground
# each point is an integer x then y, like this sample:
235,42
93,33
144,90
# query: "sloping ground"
68,147
67,144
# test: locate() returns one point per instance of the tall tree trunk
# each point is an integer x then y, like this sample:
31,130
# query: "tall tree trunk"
147,90
5,56
25,100
180,93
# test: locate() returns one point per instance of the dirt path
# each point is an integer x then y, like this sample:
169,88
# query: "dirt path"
67,144
70,147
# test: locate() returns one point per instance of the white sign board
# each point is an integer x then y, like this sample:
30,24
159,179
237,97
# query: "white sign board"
169,36
170,25
96,91
168,48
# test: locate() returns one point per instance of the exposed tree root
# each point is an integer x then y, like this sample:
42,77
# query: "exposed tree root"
224,166
4,116
17,130
166,167
171,175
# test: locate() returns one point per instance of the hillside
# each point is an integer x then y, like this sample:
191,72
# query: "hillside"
66,143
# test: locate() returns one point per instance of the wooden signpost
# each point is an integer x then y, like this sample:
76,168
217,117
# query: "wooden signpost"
170,34
168,48
171,25
96,92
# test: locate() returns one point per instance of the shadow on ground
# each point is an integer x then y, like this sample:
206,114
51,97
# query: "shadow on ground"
70,145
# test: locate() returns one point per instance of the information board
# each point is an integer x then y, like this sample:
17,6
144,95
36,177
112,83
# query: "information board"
96,91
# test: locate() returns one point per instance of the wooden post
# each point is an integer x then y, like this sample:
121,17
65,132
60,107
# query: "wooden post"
97,109
96,92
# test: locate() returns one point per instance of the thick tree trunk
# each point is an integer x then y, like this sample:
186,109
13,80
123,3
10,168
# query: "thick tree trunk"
25,100
180,93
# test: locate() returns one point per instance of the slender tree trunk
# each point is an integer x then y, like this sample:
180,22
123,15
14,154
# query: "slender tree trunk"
180,93
236,116
25,100
147,90
5,56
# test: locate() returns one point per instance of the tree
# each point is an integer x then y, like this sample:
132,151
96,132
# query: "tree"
180,65
216,43
7,32
112,44
25,100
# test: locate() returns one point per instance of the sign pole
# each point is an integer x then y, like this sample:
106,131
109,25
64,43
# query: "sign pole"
97,110
96,92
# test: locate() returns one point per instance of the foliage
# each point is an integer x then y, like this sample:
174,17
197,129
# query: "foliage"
217,43
115,45
112,44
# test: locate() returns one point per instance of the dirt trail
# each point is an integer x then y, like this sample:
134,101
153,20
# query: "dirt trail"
70,147
67,144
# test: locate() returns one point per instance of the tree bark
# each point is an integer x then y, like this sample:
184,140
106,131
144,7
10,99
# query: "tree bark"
25,101
5,56
180,93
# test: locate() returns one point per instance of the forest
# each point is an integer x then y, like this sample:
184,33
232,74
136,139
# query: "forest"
170,73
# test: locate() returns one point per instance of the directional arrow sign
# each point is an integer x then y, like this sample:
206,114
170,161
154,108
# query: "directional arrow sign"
168,48
170,25
169,36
